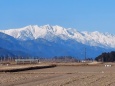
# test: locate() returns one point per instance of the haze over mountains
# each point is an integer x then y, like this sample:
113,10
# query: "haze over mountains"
50,41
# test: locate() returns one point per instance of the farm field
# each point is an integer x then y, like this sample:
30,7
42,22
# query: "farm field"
62,75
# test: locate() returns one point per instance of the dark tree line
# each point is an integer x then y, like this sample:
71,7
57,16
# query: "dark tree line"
106,57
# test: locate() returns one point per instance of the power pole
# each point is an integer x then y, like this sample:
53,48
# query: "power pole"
85,53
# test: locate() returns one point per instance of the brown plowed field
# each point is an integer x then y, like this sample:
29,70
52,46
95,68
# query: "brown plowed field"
68,75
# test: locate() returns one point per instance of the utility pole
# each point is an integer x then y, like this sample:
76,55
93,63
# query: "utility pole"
85,53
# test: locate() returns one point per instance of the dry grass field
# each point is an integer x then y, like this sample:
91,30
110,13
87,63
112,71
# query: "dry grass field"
65,74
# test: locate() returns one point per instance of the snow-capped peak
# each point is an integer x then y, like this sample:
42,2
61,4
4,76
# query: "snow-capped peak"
48,32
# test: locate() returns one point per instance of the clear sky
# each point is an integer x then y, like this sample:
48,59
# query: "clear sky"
84,15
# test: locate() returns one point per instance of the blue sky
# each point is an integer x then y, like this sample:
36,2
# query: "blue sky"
84,15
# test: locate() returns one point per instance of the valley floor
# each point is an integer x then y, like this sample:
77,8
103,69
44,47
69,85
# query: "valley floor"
62,76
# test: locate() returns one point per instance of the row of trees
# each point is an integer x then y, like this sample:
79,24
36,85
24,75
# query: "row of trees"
106,57
64,59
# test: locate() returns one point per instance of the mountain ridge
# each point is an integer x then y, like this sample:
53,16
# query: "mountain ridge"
50,41
50,33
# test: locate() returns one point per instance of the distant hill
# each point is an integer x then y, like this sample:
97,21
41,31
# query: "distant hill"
5,53
14,54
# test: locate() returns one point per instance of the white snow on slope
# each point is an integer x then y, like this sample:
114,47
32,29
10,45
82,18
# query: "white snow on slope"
48,32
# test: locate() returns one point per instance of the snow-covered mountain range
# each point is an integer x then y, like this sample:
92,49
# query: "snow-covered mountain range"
52,32
49,40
